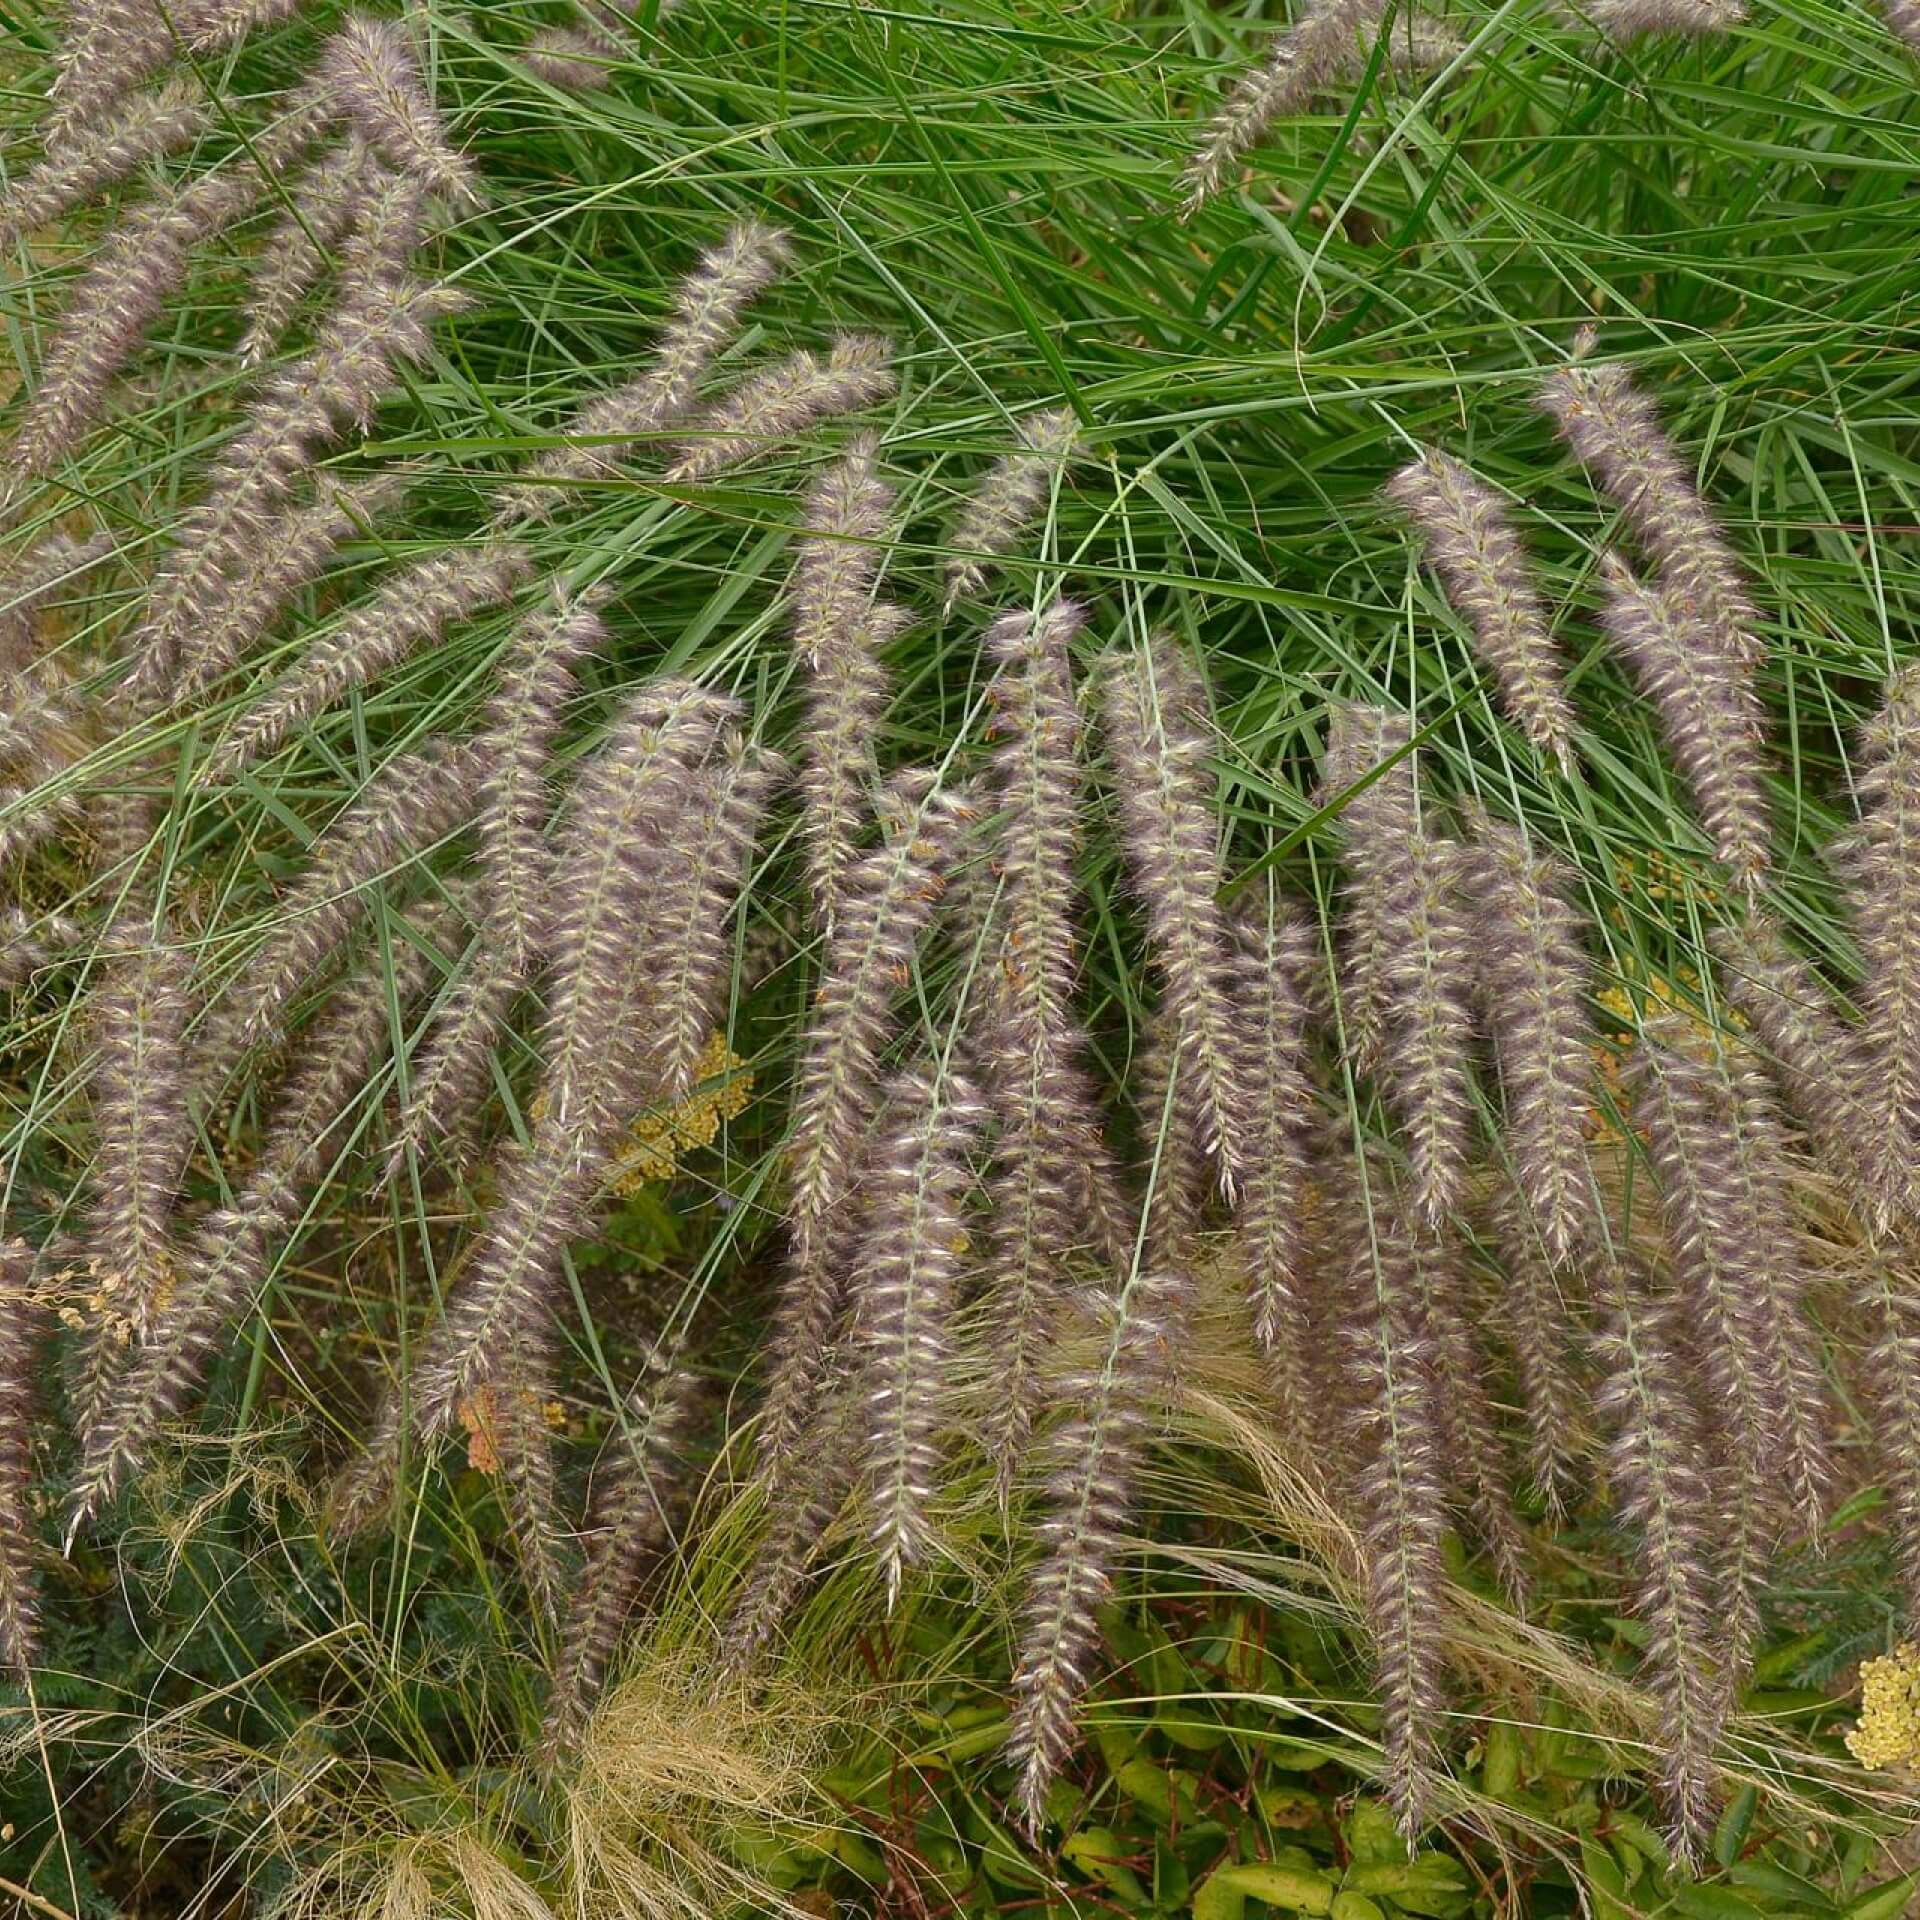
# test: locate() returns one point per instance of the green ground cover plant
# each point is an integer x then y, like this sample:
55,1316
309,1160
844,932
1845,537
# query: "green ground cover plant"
960,960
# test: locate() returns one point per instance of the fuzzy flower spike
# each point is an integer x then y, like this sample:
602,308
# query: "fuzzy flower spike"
1470,541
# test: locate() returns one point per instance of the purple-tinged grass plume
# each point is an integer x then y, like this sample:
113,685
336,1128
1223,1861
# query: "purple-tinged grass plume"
640,1492
141,264
33,943
415,800
75,171
696,906
1709,711
36,583
1012,494
143,1128
1664,1487
626,834
803,1509
410,609
233,1250
1276,956
1540,1330
1889,1301
1470,541
838,629
515,748
371,66
1533,978
109,47
322,208
293,550
1880,862
838,555
707,309
891,899
1176,1171
1623,21
1903,16
571,59
1370,770
773,406
847,698
22,1331
212,25
1722,1190
1053,1192
1811,1051
1328,41
913,1252
449,1078
1157,747
1410,965
1615,429
1390,1386
381,322
1095,1456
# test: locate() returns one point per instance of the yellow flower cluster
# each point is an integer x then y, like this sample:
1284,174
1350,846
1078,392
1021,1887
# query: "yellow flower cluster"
1888,1734
722,1089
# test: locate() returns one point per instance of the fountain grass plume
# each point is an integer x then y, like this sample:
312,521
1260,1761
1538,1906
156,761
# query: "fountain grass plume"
640,1491
1086,1501
1169,832
707,309
72,172
1534,985
773,406
1011,495
1615,428
1470,542
913,1253
323,205
892,897
1879,860
232,1253
1667,1503
1709,711
410,609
